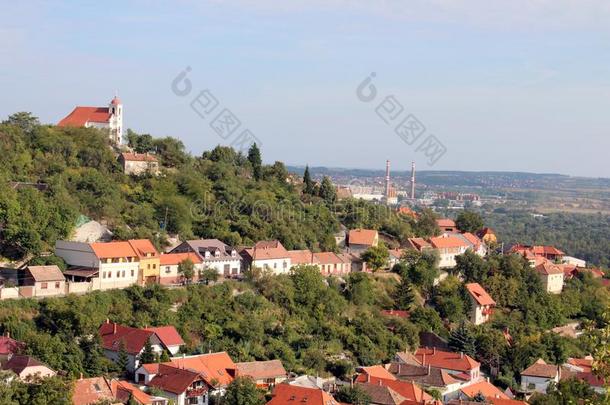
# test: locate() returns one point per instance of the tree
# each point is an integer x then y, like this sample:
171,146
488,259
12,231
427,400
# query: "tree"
404,296
243,391
462,340
471,266
208,274
376,257
24,120
187,269
353,395
123,359
308,185
468,221
148,355
254,157
327,191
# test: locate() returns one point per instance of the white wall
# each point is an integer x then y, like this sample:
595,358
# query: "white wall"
275,265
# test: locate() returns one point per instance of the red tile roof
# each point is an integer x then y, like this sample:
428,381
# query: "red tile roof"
362,237
212,366
113,334
327,258
547,268
419,243
10,346
472,239
89,391
142,247
170,259
479,294
168,335
285,394
123,390
110,250
380,376
300,256
138,157
174,379
368,373
82,115
586,364
17,363
445,223
261,369
446,360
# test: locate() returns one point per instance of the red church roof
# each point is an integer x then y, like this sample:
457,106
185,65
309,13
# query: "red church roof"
81,115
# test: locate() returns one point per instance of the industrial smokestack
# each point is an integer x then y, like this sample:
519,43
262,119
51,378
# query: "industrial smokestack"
412,180
387,179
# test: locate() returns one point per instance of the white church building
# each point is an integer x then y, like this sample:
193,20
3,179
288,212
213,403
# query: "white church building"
109,118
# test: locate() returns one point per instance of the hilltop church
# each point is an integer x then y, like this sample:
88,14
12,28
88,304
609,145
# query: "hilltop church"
107,118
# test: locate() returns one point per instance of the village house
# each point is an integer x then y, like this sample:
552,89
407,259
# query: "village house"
214,254
182,386
284,394
551,276
124,391
538,376
360,240
485,388
89,391
27,367
548,252
139,163
487,235
481,303
133,340
109,119
301,257
169,267
427,376
332,264
459,365
148,258
46,281
446,225
448,247
268,255
115,264
383,386
266,374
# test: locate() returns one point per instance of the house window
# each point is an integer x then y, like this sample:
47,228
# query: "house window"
57,284
154,266
167,269
123,273
275,265
194,400
132,273
109,274
148,266
118,274
103,274
43,286
285,264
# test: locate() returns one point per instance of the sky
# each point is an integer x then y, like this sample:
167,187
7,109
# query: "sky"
517,85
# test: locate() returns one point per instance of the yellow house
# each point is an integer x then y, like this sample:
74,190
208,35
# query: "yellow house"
149,261
488,236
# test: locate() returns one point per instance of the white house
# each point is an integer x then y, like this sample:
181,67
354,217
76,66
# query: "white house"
449,246
116,262
551,276
214,254
481,303
139,163
169,267
268,255
538,376
105,118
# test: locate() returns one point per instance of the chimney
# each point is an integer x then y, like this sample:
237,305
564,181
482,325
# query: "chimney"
412,180
8,334
434,350
114,328
81,376
461,355
423,358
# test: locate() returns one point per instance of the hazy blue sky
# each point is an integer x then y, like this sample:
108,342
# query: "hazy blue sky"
505,85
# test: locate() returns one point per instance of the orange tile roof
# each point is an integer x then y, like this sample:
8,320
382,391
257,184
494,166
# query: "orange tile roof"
505,401
300,256
541,369
143,247
446,360
448,241
91,390
212,366
123,390
327,258
286,394
472,239
138,157
585,364
445,223
362,237
170,259
367,373
547,268
168,335
479,294
110,250
261,369
81,115
406,389
484,387
267,250
419,243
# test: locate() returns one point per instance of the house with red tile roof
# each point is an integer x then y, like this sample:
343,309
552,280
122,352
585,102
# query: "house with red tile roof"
124,391
301,257
116,263
218,369
148,260
481,303
485,388
459,365
109,119
9,346
132,340
266,374
286,394
448,247
551,276
548,252
379,376
268,255
183,386
360,239
137,164
332,264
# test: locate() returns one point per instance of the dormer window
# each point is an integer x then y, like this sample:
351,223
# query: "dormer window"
233,253
217,253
